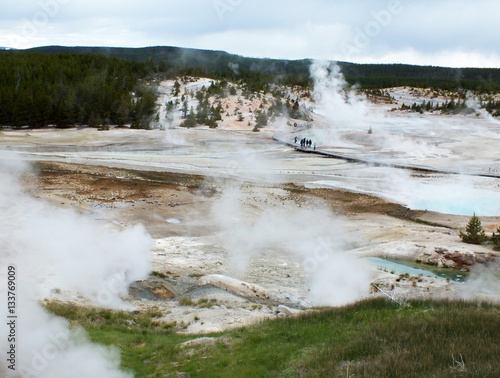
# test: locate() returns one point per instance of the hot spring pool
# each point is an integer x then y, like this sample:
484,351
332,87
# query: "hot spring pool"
447,194
479,202
415,269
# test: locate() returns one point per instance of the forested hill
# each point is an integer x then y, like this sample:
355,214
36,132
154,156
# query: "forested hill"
176,61
96,86
222,64
66,89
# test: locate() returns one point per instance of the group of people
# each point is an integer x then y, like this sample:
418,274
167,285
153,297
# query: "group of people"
306,143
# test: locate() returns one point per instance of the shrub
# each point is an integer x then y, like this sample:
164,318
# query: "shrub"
186,301
158,274
474,232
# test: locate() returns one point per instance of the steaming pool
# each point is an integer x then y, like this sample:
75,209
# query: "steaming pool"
447,194
415,269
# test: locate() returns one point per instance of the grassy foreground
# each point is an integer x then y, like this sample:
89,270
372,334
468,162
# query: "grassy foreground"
373,338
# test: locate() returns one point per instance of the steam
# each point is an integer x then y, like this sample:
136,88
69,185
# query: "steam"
341,107
235,67
447,194
349,116
252,164
473,102
312,237
60,249
412,140
483,283
172,135
169,118
340,104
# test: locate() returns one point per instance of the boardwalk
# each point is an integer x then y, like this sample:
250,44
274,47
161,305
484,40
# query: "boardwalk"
377,163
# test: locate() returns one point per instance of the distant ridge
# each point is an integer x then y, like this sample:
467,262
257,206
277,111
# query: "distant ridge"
222,64
191,58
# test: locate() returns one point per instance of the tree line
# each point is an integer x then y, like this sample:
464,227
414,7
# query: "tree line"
73,89
65,86
260,72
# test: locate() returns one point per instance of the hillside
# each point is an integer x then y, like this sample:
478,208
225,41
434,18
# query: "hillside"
219,63
72,89
96,86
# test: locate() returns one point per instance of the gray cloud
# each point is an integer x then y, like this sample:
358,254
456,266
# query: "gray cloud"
363,30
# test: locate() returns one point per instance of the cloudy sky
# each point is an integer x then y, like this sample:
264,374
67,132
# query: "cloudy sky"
447,33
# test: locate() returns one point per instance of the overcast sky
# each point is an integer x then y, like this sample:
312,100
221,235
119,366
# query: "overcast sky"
441,32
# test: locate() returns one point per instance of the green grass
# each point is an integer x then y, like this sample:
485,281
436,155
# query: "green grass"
91,318
158,274
373,338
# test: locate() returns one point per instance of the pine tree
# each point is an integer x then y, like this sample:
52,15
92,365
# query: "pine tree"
474,232
261,119
190,121
93,121
496,240
211,123
184,109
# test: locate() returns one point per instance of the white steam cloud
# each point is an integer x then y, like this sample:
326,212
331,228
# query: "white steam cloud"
448,194
312,237
169,118
483,283
349,116
51,249
340,104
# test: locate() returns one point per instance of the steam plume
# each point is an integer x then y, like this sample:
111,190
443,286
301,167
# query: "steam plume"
483,283
53,248
313,237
